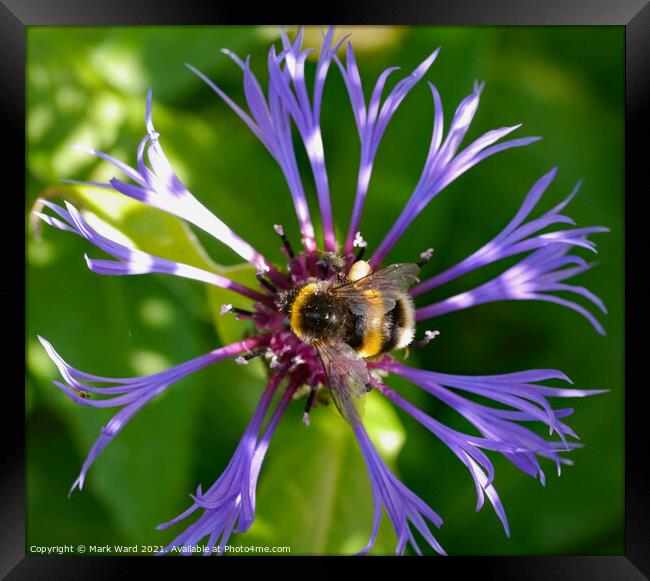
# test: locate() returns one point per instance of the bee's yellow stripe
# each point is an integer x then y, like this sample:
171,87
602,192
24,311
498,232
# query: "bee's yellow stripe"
373,338
296,308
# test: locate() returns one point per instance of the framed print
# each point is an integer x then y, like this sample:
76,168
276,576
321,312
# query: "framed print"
319,291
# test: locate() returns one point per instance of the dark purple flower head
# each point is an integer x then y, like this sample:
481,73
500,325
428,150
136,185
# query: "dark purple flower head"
546,263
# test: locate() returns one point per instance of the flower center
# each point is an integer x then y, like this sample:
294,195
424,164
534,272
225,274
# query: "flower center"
331,311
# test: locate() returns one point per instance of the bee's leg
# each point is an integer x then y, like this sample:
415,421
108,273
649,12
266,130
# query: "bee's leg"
266,283
428,337
287,245
425,257
309,404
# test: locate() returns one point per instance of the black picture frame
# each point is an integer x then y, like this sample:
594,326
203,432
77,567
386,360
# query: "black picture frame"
634,15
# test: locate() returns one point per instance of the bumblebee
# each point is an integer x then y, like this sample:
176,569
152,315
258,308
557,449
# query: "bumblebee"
358,317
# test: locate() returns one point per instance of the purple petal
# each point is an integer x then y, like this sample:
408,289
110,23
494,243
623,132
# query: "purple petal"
132,261
401,504
229,504
132,393
372,126
442,165
529,279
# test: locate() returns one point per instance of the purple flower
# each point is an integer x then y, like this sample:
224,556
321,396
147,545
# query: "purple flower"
546,263
229,504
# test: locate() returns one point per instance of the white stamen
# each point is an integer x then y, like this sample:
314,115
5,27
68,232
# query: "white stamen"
241,360
427,254
225,309
274,364
430,335
359,242
278,229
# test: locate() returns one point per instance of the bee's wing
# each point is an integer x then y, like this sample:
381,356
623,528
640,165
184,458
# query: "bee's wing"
379,290
347,377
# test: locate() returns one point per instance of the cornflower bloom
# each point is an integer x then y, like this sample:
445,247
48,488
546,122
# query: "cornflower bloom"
546,262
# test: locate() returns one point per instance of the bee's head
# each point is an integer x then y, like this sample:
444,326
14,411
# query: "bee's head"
286,299
313,313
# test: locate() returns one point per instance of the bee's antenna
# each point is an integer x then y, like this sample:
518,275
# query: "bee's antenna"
425,257
266,283
287,245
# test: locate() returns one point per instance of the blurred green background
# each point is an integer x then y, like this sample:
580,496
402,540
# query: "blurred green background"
88,85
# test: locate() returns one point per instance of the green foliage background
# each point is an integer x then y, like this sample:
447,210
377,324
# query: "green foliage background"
88,85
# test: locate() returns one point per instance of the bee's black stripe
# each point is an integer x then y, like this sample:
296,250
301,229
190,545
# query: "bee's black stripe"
392,327
356,331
